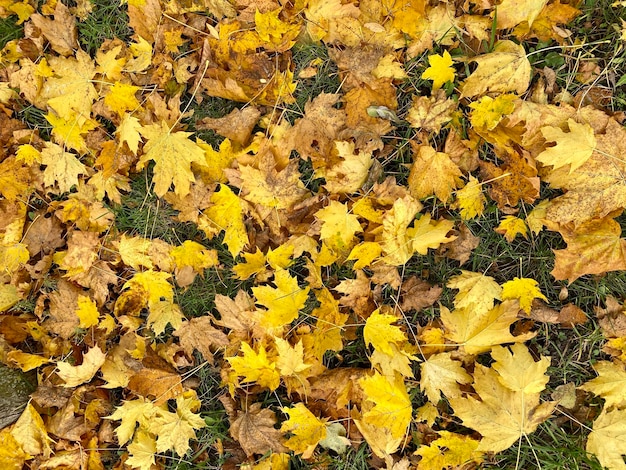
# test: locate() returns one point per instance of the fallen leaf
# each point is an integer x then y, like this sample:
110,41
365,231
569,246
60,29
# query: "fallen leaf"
254,430
77,375
503,70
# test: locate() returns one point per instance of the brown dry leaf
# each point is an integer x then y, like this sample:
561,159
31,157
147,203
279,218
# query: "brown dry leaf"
63,302
254,430
67,424
593,248
61,32
418,294
571,315
383,274
514,181
236,126
462,246
378,93
542,313
357,294
568,317
612,319
144,17
44,234
200,334
314,135
431,113
157,384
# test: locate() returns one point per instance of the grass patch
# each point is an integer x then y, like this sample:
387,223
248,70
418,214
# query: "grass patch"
10,30
107,20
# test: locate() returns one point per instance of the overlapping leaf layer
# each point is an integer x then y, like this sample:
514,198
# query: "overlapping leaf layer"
317,216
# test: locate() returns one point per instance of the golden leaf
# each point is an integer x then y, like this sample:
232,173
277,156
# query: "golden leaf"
503,70
173,154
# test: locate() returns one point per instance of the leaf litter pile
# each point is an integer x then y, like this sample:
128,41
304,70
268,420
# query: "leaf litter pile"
316,216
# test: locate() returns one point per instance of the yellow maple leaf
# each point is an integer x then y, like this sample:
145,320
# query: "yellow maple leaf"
271,188
282,303
327,335
277,33
478,331
255,367
307,430
194,255
77,375
121,98
395,240
470,199
339,227
610,383
488,112
281,257
173,154
142,450
364,253
534,219
175,429
163,312
70,91
153,283
440,70
503,70
128,131
572,148
450,450
607,440
142,56
87,312
30,433
8,296
255,264
70,131
398,361
62,167
523,289
435,173
217,161
350,173
502,416
132,413
380,333
387,404
226,214
513,12
428,234
109,64
517,369
593,248
26,361
440,374
12,457
430,113
28,154
475,289
12,257
511,227
134,252
290,358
